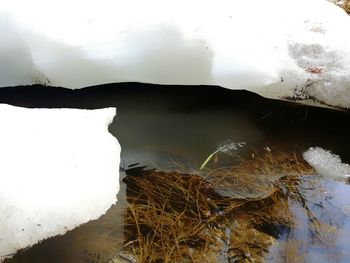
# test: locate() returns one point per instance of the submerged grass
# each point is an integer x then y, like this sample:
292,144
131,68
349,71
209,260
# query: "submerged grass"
232,214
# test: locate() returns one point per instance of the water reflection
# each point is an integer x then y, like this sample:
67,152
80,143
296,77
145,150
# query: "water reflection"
322,224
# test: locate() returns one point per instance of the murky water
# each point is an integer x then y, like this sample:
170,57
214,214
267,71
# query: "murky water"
178,128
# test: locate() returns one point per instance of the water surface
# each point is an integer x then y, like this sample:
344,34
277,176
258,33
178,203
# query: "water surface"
176,128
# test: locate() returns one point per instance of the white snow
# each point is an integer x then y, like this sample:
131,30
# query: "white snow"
249,45
59,168
327,164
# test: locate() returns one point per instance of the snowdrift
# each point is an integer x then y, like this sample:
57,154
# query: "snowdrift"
297,50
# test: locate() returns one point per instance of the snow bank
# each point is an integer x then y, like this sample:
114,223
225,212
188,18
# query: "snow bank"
285,49
327,164
58,169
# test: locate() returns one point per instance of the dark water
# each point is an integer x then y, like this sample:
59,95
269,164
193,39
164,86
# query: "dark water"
177,127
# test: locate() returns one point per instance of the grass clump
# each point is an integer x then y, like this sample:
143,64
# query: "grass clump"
232,214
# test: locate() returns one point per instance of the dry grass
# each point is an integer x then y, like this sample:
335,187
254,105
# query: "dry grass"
345,4
235,213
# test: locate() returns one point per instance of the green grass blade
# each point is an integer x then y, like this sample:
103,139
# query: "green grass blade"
207,160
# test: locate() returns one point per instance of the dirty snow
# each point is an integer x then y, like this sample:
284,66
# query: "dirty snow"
59,169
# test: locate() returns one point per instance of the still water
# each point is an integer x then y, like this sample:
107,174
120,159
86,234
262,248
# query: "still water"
177,128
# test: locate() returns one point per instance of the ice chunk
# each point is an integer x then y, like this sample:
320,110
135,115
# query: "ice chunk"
229,146
327,164
295,49
59,168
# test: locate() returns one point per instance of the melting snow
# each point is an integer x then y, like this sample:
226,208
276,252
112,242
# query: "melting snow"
59,169
289,49
327,164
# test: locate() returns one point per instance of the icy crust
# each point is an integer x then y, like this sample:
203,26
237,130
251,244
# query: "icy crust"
327,164
59,169
284,49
